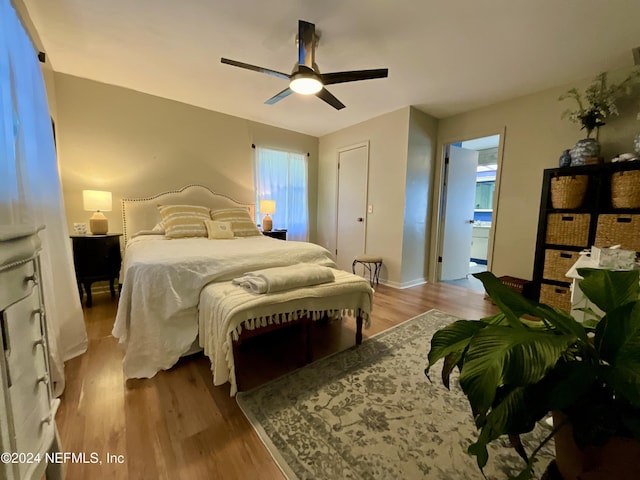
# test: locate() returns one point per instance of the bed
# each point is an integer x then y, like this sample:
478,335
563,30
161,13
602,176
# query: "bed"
157,318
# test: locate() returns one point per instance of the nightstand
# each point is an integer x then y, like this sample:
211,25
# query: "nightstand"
96,258
279,234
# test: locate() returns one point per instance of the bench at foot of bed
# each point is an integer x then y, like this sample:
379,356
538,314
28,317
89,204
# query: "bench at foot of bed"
228,312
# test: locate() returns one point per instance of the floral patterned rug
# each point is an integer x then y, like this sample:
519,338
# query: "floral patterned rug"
369,412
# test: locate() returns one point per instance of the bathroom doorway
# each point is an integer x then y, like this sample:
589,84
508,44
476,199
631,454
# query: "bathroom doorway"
468,206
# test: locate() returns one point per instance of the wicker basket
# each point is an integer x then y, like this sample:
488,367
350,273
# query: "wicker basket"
623,230
557,263
568,191
568,229
625,189
556,296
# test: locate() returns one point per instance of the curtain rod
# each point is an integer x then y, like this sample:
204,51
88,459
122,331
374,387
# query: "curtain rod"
253,145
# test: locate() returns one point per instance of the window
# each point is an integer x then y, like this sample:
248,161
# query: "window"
282,176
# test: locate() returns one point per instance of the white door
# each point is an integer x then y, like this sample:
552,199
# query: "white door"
460,195
353,167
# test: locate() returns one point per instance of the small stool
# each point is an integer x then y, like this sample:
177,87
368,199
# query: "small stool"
370,263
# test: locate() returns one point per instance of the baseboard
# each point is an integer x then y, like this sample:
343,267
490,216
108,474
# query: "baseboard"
401,286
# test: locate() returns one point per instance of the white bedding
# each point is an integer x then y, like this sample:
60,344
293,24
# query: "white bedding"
157,318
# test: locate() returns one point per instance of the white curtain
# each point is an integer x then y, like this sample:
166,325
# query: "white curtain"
30,191
282,176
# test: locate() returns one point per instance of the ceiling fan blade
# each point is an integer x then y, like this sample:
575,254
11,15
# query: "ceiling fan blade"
255,69
353,76
279,96
325,95
306,43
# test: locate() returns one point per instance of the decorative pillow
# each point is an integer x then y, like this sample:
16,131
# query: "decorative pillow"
241,222
216,229
184,220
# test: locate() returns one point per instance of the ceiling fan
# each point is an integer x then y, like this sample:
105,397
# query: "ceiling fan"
305,77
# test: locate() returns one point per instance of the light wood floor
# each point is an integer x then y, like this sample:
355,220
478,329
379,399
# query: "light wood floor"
177,425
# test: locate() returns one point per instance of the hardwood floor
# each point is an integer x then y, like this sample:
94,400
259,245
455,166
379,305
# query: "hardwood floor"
177,425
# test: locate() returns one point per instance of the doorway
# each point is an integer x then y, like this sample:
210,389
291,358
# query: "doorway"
468,207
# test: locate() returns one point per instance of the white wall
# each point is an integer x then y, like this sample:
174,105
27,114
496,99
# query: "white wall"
419,178
535,136
396,150
134,144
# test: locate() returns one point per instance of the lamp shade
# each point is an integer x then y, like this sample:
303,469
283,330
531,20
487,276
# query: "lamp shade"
96,201
267,206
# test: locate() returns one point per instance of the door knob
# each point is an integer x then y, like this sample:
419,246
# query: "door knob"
360,219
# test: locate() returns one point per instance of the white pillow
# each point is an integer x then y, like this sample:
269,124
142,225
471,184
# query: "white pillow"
240,220
218,230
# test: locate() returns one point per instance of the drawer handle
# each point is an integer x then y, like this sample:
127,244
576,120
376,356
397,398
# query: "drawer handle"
47,420
623,220
32,278
566,255
40,341
567,219
44,379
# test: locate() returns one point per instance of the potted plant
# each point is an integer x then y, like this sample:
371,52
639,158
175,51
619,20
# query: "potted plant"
531,359
594,106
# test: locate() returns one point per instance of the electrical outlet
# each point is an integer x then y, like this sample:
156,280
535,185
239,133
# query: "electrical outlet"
370,209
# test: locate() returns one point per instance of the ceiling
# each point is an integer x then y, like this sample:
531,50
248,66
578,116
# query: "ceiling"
444,57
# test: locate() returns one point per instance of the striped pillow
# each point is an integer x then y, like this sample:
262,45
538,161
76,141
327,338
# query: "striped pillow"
241,222
184,220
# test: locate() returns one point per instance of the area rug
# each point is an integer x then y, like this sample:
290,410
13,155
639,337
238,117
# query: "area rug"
369,412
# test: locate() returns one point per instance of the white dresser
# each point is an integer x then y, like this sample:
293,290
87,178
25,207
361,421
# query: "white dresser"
27,408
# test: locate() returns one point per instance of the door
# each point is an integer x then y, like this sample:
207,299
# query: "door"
460,193
353,173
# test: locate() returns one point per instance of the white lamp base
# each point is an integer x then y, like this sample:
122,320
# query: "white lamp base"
267,223
98,224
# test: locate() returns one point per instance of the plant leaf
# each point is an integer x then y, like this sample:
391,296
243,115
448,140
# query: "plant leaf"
563,385
564,322
500,355
511,303
515,306
450,362
618,342
452,338
609,289
498,422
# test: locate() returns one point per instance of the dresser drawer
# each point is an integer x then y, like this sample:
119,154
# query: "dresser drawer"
17,283
26,364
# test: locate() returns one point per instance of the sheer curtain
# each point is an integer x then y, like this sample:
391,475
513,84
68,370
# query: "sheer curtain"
30,191
282,176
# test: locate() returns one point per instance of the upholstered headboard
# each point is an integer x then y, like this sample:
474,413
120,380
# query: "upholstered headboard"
142,213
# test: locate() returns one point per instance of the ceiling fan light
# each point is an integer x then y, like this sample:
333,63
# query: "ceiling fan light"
306,85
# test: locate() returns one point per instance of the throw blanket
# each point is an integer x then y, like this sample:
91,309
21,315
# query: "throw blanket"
277,279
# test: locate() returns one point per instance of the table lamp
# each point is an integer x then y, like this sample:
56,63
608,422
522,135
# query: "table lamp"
267,207
97,202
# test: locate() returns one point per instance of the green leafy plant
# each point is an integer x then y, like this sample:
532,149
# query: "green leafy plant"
598,101
531,359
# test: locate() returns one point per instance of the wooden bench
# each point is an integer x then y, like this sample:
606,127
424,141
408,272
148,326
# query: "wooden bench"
228,313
